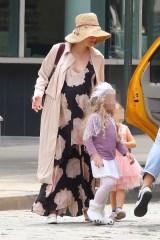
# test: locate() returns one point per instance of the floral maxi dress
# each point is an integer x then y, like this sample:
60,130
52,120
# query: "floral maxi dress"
73,183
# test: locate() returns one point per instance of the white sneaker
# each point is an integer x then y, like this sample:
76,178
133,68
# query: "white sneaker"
120,214
52,219
144,198
113,215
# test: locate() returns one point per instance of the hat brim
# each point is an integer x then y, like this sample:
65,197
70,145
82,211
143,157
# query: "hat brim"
91,32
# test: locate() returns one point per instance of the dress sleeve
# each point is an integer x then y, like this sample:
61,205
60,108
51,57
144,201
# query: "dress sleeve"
93,127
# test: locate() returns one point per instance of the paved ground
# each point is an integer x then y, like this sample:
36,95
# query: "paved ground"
24,225
19,186
18,161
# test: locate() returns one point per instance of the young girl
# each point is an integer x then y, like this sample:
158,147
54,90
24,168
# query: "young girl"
101,140
131,174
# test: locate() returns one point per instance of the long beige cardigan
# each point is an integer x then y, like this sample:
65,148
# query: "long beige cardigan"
51,108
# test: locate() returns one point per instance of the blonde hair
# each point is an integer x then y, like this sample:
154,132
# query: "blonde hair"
119,134
99,104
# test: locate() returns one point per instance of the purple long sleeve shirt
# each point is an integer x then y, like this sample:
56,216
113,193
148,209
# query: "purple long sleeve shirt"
103,144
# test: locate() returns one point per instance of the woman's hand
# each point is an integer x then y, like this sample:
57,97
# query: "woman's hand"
130,158
37,103
97,160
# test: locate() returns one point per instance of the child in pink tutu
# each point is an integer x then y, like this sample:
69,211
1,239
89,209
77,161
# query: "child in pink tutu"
131,174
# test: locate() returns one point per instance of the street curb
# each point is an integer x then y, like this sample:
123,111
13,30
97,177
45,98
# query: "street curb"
26,202
17,202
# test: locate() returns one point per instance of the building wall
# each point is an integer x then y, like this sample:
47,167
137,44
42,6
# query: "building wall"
16,89
28,29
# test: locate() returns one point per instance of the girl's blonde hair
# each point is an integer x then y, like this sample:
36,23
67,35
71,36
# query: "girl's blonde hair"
103,106
99,105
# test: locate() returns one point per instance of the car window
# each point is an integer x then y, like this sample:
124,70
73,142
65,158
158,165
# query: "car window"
155,67
150,83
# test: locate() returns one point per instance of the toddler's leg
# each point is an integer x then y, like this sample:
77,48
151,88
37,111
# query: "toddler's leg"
120,198
113,196
120,201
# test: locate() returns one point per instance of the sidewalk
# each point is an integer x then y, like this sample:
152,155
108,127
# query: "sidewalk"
24,225
18,182
18,161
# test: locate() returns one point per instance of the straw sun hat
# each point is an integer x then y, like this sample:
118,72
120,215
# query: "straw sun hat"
87,25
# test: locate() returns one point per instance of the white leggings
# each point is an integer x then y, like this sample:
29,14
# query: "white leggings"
103,191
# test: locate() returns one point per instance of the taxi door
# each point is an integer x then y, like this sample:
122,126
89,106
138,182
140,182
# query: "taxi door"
143,96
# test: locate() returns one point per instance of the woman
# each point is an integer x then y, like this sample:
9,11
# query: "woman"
64,166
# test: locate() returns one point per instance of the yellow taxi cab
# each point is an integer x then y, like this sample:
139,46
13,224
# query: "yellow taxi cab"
143,96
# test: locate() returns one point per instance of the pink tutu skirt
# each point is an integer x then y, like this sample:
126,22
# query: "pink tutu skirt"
131,174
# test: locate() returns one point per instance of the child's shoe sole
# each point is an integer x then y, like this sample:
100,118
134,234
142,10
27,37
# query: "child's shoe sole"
120,215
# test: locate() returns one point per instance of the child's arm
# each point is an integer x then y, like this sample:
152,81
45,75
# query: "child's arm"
97,160
89,133
130,143
124,151
93,152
